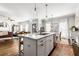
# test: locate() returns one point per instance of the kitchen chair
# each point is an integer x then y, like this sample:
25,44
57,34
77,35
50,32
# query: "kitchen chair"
58,37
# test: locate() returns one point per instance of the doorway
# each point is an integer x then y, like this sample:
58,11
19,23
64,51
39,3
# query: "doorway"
63,28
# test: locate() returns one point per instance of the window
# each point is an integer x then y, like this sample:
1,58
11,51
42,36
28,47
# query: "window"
48,27
26,28
63,28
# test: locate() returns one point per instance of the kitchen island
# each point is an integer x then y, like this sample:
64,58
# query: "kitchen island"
37,44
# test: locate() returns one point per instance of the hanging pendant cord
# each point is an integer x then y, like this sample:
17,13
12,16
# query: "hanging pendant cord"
46,9
35,10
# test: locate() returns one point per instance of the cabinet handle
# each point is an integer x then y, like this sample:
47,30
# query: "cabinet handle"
50,40
41,44
29,45
41,41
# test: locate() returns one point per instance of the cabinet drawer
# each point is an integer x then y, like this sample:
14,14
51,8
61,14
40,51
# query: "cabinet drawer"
29,41
40,41
51,37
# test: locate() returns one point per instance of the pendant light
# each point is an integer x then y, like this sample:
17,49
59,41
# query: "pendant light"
35,12
46,5
10,19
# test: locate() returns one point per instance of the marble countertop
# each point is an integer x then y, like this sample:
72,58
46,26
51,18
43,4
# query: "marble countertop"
36,36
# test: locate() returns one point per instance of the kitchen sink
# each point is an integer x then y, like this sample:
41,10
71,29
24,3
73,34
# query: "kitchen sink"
43,34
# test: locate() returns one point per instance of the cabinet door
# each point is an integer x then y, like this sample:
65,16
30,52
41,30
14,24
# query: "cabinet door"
41,49
29,47
50,43
47,46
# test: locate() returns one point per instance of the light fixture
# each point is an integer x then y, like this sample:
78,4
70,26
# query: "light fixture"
10,19
35,12
35,8
46,5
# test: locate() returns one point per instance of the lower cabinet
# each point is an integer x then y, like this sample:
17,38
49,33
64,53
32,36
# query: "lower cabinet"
50,43
29,47
46,46
41,47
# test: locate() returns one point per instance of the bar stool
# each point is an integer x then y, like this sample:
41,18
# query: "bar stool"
21,47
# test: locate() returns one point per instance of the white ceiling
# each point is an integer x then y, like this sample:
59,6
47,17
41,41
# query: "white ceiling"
25,11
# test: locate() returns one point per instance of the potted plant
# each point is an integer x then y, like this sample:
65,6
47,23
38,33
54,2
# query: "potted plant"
74,28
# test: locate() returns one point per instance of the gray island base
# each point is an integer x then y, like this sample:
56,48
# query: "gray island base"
37,45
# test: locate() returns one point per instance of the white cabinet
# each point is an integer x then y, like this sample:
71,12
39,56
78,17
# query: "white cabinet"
45,46
49,44
29,47
40,47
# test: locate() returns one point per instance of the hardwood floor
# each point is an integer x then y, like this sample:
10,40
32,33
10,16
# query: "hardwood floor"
63,50
9,48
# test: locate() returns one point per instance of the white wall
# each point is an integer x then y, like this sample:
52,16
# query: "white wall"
70,19
77,17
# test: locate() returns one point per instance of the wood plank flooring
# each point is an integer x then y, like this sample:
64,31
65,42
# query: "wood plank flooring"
10,48
63,50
